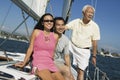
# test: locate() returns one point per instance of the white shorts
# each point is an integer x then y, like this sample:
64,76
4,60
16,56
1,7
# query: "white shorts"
80,56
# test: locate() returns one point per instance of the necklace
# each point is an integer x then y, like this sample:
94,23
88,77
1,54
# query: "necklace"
47,38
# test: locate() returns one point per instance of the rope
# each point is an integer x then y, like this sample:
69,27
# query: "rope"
4,22
95,6
5,17
91,2
51,9
14,30
26,26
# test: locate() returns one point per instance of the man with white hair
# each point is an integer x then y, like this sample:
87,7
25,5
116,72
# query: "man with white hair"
85,33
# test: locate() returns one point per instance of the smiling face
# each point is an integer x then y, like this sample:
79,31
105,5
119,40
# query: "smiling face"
48,22
88,14
59,26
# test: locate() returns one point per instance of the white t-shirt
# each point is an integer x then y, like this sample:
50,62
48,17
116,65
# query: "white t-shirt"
83,34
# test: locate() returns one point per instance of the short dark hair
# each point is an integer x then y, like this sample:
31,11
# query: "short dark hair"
59,18
55,19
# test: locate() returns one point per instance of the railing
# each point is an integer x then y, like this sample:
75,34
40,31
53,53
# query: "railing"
97,75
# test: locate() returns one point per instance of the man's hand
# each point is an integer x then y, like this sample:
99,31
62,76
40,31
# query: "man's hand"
94,60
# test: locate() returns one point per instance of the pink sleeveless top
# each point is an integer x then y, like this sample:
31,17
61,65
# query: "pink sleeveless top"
43,52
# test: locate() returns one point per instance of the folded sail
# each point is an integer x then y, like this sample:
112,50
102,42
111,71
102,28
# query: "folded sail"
34,8
66,9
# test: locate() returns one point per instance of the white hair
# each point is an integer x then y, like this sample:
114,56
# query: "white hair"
87,6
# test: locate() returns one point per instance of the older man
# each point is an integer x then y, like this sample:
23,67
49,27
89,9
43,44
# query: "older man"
85,33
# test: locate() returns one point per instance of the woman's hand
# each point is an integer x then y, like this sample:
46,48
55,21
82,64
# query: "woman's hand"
20,64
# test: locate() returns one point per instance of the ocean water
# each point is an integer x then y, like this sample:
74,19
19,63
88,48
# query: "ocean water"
111,66
14,46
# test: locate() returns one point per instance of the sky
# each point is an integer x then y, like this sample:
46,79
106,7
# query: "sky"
107,16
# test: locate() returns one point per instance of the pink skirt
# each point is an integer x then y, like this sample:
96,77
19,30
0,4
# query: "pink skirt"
41,62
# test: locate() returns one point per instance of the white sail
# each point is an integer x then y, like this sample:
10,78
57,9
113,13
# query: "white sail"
34,8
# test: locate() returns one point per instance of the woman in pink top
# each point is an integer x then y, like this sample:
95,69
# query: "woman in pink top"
43,43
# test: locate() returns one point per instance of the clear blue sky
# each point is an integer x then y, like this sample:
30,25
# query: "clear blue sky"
107,16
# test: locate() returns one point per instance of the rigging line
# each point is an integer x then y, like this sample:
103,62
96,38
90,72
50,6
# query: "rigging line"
91,2
6,16
51,9
20,24
14,30
95,8
26,26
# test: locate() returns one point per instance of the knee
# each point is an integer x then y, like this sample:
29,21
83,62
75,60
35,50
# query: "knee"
81,72
67,71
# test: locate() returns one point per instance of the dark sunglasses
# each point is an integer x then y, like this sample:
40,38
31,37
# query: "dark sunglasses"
48,21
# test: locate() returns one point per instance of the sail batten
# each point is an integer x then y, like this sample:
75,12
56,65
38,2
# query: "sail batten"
34,8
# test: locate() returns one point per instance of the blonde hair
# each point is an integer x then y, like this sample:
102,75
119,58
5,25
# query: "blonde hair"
87,6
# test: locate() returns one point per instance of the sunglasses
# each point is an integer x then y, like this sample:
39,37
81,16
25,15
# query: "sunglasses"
48,21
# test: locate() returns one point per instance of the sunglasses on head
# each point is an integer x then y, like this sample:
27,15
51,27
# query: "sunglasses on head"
47,20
